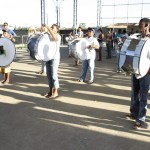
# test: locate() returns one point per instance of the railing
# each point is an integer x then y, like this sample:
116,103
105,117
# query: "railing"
22,39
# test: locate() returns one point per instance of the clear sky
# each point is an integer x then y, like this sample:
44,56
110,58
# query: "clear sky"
26,13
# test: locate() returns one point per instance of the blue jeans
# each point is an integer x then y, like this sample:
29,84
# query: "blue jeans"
90,63
118,57
140,87
43,67
109,47
52,73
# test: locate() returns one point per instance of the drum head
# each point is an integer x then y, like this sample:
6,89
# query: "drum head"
135,57
144,63
123,56
72,48
7,51
45,49
81,48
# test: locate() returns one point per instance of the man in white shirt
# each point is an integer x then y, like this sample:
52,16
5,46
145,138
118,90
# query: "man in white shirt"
89,63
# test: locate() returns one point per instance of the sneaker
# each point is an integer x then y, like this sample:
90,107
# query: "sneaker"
118,71
90,81
130,117
139,126
80,80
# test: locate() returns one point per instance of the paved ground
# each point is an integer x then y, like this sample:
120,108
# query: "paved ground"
83,117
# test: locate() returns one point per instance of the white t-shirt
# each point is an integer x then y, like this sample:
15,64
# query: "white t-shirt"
80,34
92,40
138,76
57,46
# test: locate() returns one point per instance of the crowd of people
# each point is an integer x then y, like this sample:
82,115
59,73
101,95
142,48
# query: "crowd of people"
114,41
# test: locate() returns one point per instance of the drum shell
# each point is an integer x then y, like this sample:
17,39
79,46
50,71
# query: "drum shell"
72,49
31,43
41,47
78,49
137,60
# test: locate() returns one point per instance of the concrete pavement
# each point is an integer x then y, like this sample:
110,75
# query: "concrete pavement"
83,117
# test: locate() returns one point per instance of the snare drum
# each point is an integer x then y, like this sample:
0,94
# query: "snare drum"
41,47
135,56
7,52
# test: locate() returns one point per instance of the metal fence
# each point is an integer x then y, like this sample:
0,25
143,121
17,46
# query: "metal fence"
22,39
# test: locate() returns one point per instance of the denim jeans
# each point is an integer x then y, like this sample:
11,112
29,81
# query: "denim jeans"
109,47
118,58
43,67
140,87
52,73
90,63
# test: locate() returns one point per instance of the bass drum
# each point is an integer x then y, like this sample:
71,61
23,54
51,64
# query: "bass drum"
41,47
72,49
7,52
78,49
135,56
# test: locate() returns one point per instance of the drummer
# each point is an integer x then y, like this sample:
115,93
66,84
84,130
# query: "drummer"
52,65
90,63
80,34
6,70
140,87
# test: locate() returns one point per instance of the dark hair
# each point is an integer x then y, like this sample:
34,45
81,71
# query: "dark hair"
80,28
55,25
146,21
119,30
44,25
124,31
90,29
6,23
100,29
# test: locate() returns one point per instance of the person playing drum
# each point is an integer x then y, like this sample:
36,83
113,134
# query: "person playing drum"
53,64
6,70
80,34
140,86
89,63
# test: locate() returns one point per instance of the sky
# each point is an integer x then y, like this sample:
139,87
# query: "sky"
25,13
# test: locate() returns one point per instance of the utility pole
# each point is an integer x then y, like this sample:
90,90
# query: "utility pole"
42,11
58,11
98,13
75,7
